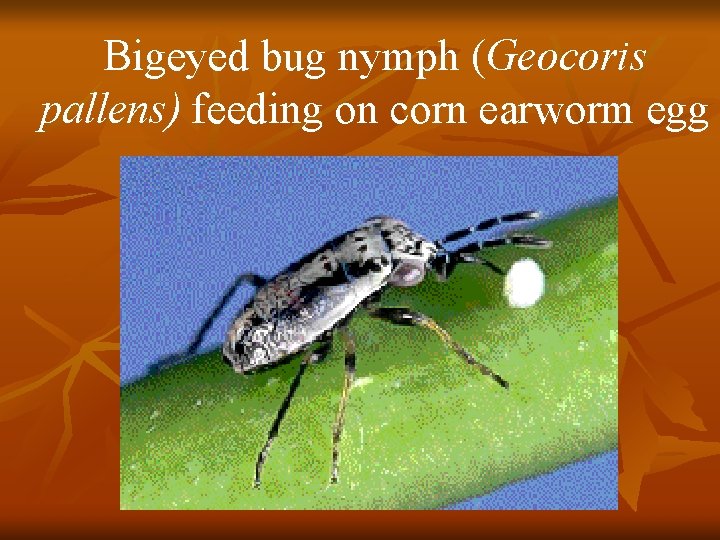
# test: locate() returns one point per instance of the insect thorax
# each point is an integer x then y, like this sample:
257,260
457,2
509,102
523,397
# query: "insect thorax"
314,294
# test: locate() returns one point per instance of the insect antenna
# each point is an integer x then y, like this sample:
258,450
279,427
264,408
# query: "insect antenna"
447,260
521,240
446,263
490,223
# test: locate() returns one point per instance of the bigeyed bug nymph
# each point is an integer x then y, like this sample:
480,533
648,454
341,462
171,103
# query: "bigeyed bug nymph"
305,304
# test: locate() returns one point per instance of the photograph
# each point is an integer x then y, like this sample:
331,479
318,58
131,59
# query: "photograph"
376,332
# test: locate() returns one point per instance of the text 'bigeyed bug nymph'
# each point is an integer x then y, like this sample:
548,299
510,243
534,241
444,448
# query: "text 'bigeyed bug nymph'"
315,297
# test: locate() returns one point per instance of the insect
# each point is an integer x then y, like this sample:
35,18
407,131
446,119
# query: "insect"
302,307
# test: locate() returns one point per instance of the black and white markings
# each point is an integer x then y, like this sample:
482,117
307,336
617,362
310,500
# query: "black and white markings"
318,295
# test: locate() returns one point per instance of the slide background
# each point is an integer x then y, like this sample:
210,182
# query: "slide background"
60,242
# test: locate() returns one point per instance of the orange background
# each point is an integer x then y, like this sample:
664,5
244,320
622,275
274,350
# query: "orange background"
59,217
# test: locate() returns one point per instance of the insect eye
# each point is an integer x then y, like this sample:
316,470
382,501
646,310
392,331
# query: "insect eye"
408,274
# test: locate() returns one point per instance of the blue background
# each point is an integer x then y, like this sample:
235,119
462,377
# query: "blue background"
586,485
189,225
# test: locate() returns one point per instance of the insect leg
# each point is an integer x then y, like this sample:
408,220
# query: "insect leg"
250,279
372,301
321,353
468,258
178,358
340,418
406,317
310,357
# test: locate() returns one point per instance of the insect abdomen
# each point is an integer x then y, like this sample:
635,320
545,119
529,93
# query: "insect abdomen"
254,341
309,298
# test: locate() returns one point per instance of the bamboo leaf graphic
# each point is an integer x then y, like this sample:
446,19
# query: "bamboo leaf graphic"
26,156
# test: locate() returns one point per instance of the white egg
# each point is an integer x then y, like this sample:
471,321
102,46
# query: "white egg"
524,284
